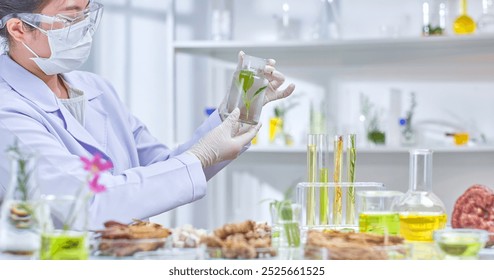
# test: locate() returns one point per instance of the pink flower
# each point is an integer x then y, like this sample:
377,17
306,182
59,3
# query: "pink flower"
96,165
95,187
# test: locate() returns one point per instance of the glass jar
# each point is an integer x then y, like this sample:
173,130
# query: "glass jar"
421,211
19,225
433,17
247,90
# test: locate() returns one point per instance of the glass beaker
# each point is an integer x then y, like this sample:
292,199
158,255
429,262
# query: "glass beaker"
19,224
461,243
285,230
421,211
376,214
64,228
247,90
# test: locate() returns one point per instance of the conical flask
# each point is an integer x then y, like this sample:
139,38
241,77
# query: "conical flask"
19,226
421,211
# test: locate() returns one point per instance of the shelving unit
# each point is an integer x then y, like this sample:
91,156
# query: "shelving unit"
351,51
369,57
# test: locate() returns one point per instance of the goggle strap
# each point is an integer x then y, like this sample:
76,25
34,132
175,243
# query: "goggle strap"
34,26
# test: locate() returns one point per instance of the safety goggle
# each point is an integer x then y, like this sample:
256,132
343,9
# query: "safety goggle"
64,26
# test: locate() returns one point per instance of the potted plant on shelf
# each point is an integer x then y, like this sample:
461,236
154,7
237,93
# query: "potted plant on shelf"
371,115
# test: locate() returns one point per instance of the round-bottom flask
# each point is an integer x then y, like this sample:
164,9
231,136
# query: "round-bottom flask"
421,211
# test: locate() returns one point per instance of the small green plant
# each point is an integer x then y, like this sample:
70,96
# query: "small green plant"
372,116
246,81
286,217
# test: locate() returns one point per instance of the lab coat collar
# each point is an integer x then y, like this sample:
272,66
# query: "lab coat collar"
34,89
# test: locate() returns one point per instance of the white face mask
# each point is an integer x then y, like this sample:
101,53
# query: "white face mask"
65,55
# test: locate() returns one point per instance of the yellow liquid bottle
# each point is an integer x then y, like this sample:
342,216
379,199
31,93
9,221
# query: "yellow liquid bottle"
421,211
464,24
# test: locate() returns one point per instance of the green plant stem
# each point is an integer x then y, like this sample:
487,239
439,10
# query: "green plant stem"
290,226
352,158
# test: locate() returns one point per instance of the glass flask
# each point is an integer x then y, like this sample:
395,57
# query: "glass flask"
421,211
247,90
19,225
485,23
464,24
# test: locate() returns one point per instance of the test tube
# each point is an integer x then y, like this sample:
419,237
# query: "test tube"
350,196
323,167
338,160
311,178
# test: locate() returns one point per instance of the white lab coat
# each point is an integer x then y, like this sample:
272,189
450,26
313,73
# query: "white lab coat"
148,178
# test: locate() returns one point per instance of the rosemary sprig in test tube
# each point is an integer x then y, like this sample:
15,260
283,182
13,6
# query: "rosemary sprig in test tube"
338,159
350,196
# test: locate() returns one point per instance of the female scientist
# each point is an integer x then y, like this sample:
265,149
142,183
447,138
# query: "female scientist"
64,114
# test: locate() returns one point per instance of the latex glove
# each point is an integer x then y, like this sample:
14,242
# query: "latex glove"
225,142
275,78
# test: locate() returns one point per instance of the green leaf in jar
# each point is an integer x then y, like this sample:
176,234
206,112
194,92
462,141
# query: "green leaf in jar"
248,79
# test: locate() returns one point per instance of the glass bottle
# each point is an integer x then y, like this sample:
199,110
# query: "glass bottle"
486,20
221,20
19,225
408,137
433,17
247,90
421,211
464,24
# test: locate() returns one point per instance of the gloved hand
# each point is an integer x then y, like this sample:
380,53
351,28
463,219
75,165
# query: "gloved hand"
275,78
224,142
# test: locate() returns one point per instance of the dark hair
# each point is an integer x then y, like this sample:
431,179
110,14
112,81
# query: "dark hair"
8,7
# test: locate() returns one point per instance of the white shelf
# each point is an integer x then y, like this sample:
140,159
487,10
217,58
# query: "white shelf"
368,150
448,57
